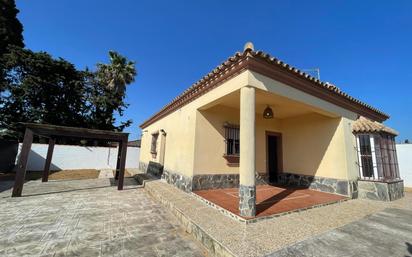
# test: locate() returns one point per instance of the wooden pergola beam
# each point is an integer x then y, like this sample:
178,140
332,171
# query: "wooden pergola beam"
51,132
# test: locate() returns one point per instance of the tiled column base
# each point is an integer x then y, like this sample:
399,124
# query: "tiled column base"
247,201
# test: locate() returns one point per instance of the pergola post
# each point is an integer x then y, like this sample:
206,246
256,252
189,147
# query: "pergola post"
22,163
119,154
247,162
46,170
122,162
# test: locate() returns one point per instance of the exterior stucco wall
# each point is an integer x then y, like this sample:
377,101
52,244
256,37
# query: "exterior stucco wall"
179,141
210,141
72,157
315,144
312,144
404,152
179,153
318,146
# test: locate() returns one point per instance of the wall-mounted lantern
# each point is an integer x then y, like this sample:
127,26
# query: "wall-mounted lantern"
268,113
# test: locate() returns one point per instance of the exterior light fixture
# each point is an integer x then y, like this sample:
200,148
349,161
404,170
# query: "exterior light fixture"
268,113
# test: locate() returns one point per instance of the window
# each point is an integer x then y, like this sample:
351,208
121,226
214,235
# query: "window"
365,154
377,157
388,158
232,140
153,146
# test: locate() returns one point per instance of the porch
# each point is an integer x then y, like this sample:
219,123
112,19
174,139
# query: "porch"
309,140
271,200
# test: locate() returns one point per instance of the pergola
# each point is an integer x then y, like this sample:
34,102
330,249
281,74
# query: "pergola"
52,132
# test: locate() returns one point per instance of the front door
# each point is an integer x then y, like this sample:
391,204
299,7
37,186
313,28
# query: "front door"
273,147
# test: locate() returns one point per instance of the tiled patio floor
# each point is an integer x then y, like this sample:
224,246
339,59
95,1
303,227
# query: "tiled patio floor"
88,218
270,200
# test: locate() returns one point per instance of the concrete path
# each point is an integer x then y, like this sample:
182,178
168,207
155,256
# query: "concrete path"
89,218
106,173
270,235
386,233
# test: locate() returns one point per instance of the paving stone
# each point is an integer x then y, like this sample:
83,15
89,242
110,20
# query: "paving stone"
87,218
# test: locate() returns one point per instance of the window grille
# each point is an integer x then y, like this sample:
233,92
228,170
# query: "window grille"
377,157
388,158
153,146
232,140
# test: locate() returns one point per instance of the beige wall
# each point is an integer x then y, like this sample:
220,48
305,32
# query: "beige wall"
179,141
210,141
319,144
180,129
316,145
312,144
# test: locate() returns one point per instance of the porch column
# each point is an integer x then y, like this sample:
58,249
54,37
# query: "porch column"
247,163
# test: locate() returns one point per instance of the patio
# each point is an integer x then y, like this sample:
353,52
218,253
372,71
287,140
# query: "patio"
271,200
226,236
88,218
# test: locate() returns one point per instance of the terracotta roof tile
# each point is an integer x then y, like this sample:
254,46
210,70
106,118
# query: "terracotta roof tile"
364,125
204,84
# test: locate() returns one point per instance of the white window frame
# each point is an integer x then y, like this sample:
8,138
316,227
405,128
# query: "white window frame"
373,153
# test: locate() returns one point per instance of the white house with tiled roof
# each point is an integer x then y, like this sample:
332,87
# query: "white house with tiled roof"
256,119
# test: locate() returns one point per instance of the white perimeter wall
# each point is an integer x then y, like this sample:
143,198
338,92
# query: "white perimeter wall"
405,162
79,157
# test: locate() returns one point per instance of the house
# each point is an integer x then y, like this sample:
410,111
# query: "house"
255,118
134,143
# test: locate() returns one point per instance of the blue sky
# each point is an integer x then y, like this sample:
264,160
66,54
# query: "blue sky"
364,47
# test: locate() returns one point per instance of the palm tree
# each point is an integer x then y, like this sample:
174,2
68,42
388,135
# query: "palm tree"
108,90
116,75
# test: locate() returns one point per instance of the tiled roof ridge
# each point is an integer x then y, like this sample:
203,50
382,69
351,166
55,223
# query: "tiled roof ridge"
195,89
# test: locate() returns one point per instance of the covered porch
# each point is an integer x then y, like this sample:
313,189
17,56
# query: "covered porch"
271,200
300,138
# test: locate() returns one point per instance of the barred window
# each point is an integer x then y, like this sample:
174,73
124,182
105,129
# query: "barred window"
388,158
377,157
365,153
153,146
232,140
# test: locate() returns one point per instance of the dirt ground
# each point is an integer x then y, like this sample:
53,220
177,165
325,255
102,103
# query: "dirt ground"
59,175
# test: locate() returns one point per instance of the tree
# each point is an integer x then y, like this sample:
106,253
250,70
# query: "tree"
40,89
116,75
108,89
34,87
11,30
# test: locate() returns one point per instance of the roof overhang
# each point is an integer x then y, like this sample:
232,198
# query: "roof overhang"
264,64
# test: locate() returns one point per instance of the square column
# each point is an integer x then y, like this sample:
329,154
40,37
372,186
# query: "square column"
247,162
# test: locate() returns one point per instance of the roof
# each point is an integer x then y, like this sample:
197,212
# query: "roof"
364,125
276,69
134,143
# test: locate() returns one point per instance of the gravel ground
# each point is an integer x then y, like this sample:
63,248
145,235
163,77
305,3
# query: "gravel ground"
270,235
